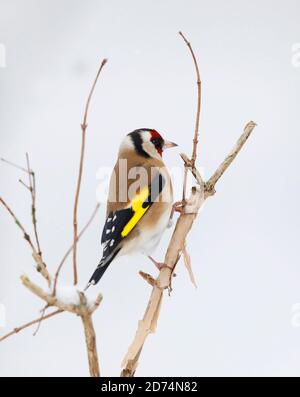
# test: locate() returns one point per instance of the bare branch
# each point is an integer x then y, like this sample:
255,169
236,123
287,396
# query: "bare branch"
19,167
148,324
24,184
32,189
176,246
185,173
177,243
38,320
196,133
189,166
188,265
96,304
147,277
18,223
36,250
41,268
49,298
210,184
82,309
83,129
90,339
71,248
43,311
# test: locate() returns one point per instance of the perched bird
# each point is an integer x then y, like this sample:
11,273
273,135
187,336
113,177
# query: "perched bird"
140,199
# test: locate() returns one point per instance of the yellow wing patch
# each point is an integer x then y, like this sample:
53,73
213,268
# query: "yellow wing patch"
138,209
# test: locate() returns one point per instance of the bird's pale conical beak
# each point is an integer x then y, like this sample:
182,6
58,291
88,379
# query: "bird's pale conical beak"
169,144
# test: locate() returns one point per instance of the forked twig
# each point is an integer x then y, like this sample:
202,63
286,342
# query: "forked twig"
36,249
38,320
84,308
14,165
40,264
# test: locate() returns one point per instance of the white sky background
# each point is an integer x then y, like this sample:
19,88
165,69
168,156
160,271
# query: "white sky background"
244,246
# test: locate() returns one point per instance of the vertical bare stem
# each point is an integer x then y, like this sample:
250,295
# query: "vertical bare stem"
32,189
83,137
196,133
90,338
184,185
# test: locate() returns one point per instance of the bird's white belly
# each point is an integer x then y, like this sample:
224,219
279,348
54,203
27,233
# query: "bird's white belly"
148,239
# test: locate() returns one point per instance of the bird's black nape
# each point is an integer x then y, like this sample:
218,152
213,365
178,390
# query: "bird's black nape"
138,141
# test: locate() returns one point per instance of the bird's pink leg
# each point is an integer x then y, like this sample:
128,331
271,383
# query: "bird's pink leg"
177,207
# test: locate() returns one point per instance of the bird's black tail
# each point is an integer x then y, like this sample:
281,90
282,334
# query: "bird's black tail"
100,270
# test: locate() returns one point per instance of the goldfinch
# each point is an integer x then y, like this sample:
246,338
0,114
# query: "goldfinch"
140,199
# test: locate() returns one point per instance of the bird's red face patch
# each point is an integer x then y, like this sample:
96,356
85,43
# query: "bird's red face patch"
157,141
155,134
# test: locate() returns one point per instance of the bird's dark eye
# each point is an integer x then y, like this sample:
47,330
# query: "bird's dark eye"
157,142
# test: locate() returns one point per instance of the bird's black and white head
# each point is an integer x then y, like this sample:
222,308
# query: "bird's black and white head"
146,142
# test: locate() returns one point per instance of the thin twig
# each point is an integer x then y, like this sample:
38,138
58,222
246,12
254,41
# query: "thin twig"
36,250
24,184
41,267
83,129
189,166
210,184
32,189
96,304
18,223
197,121
71,248
43,311
18,329
147,277
14,165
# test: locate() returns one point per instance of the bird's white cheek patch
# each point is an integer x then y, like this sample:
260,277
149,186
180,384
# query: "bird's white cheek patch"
150,149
